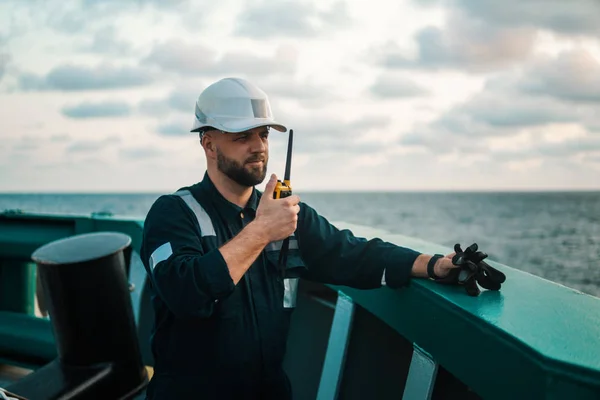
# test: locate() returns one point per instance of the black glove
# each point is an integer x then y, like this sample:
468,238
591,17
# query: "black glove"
473,270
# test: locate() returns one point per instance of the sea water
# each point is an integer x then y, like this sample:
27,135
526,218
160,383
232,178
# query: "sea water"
555,235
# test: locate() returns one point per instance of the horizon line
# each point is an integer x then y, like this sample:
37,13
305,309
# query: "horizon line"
319,191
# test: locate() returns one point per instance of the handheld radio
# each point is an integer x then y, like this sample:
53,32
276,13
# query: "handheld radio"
284,189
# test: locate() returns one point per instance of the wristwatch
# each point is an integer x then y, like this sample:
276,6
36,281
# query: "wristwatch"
431,265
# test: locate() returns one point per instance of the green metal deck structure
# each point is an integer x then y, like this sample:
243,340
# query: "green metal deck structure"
534,339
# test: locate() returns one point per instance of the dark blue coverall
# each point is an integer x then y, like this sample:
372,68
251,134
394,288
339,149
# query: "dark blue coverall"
216,340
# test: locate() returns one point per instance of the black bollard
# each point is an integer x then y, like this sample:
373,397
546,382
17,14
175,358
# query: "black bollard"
87,295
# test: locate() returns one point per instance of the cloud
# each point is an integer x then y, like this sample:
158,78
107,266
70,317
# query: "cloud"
463,44
105,41
538,98
26,146
154,107
180,100
393,86
306,93
565,17
184,99
97,110
178,56
78,78
588,147
139,3
332,134
294,90
175,128
283,61
593,158
59,138
588,144
141,152
501,110
76,17
88,146
574,76
198,60
593,124
290,19
4,58
489,114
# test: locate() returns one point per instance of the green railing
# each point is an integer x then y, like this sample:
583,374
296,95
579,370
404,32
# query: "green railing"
533,339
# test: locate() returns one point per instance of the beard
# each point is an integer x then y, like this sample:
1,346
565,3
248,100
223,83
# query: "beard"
241,173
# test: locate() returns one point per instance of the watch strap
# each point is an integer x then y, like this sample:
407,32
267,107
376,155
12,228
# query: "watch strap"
431,265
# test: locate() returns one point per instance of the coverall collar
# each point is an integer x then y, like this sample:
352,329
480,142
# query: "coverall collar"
228,207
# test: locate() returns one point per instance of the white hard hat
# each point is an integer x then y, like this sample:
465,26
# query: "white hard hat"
233,105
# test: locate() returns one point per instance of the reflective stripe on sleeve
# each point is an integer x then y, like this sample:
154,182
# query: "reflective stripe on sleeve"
160,254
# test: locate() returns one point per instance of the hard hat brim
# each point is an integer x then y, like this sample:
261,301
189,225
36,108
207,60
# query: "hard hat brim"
239,125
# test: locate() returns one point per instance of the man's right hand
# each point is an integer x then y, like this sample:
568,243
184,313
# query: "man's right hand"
277,218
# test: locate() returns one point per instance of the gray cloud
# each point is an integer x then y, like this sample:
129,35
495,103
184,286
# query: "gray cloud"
540,95
593,124
585,147
306,93
59,138
593,158
438,138
292,90
178,56
61,16
290,19
154,107
137,3
501,110
105,41
140,152
70,21
573,76
566,17
463,44
87,146
252,64
181,99
176,128
390,86
570,147
324,133
198,60
77,78
26,146
488,114
179,103
321,133
77,17
26,143
4,58
97,110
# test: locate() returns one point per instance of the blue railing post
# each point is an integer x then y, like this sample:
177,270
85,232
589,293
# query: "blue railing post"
421,376
335,357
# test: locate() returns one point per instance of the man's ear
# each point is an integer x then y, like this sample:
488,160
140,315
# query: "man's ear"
208,143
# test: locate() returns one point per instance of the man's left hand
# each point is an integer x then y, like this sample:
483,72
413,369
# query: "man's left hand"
444,265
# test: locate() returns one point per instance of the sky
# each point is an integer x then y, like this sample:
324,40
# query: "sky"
98,95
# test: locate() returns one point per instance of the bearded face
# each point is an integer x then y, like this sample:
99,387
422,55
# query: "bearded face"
250,172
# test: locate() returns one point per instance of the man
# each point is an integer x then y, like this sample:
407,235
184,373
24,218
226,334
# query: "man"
222,302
